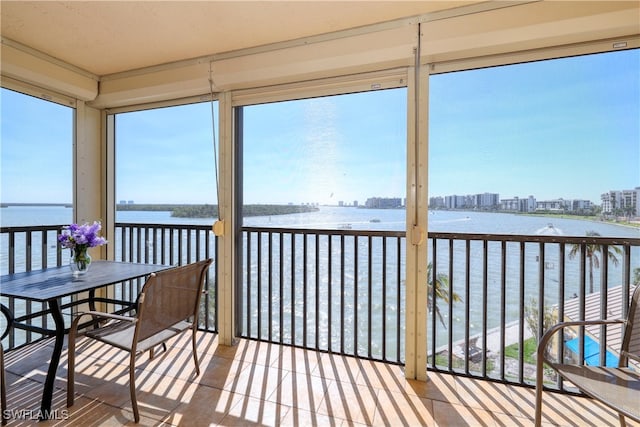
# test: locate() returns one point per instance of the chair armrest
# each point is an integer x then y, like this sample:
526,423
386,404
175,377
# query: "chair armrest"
102,315
542,345
109,316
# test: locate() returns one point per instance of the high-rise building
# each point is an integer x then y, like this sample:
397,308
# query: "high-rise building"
383,202
624,202
517,204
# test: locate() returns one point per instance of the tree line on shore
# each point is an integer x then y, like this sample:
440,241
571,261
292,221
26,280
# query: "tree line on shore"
211,211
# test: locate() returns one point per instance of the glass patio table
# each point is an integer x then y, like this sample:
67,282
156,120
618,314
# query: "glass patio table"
50,285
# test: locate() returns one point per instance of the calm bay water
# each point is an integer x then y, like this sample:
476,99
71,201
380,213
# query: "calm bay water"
349,217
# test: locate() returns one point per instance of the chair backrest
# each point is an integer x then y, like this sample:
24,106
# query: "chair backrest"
631,337
171,296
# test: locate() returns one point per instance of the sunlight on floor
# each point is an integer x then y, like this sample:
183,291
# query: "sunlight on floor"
263,384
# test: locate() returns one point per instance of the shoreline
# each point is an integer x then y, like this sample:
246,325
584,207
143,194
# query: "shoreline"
632,224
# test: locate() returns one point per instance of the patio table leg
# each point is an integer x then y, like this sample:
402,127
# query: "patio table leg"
47,393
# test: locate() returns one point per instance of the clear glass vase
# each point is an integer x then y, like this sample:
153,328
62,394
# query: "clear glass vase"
80,261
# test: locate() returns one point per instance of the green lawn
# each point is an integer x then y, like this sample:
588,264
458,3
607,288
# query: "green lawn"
530,346
443,360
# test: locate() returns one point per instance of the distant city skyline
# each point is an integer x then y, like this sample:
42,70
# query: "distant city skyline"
522,196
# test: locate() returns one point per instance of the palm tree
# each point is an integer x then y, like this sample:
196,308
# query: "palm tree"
592,251
441,291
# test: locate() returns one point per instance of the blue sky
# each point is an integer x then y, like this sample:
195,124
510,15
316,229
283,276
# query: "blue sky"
35,149
565,128
166,155
333,149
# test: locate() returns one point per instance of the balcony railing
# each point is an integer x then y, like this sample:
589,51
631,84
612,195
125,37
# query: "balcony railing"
343,291
340,291
513,287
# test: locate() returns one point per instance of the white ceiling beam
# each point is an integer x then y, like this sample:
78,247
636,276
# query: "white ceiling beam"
44,72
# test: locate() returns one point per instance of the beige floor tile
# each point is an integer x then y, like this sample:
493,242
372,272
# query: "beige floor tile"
438,386
206,343
92,348
220,371
590,412
176,361
503,420
336,367
489,396
88,412
381,375
401,409
453,415
297,417
256,381
23,402
254,412
556,408
297,360
159,395
350,402
28,358
257,352
300,391
101,380
207,406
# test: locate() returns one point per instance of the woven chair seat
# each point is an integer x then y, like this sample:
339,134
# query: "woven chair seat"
120,335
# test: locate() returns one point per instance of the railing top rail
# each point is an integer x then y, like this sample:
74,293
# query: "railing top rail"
320,231
172,226
458,236
31,228
27,228
628,241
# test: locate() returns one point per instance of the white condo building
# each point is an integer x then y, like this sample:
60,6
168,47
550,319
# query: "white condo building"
623,202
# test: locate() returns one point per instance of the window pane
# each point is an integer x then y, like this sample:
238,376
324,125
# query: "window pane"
166,156
327,153
547,137
528,149
37,160
337,165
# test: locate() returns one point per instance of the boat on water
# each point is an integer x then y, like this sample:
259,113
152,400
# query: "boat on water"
345,227
374,220
550,229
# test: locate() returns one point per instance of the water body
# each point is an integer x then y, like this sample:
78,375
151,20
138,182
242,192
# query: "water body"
349,217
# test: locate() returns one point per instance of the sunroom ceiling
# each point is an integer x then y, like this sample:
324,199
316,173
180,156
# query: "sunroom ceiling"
106,37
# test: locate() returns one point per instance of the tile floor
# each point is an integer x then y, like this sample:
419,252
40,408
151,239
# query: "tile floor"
259,384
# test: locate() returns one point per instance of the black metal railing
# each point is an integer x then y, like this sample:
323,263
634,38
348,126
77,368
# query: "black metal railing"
512,288
171,244
29,248
343,291
330,290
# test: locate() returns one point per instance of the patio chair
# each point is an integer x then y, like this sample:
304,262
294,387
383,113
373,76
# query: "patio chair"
616,387
168,305
3,381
